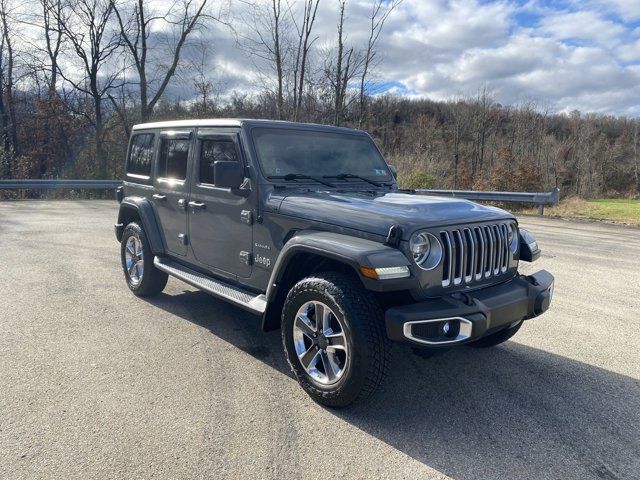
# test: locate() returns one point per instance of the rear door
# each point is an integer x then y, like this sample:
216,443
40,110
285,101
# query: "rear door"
220,220
171,190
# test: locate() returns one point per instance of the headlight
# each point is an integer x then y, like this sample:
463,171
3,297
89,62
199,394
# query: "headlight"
426,250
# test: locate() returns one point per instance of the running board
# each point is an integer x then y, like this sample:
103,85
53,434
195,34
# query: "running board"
242,298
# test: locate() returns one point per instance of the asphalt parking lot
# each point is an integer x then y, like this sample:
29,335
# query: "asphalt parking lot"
96,383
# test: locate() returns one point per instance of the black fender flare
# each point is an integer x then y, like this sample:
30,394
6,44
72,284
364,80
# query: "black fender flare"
142,206
352,251
348,250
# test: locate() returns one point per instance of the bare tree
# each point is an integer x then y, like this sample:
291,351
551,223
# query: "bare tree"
137,25
268,44
8,125
53,17
380,11
305,42
341,67
88,30
204,86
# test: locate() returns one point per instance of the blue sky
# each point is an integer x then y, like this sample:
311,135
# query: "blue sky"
561,55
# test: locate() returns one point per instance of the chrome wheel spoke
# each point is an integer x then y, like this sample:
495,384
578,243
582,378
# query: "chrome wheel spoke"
309,358
304,324
319,313
334,362
337,341
330,368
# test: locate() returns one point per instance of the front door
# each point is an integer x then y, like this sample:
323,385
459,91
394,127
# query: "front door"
220,220
171,192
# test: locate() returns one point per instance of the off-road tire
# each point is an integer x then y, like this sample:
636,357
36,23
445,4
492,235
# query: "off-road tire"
497,338
153,280
363,319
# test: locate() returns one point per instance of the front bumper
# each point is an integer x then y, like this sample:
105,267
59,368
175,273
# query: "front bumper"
467,316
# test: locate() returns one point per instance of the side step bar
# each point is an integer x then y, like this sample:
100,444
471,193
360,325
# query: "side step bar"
247,300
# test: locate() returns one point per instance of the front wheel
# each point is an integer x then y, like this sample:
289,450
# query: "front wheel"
334,338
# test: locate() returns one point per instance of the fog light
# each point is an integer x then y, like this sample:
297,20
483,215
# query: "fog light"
449,329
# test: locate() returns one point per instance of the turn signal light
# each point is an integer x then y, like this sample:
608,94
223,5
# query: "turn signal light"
385,273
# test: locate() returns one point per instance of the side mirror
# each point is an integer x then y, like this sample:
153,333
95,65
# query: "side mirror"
228,174
394,171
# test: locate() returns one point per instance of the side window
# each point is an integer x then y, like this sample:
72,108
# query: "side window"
140,154
212,151
174,153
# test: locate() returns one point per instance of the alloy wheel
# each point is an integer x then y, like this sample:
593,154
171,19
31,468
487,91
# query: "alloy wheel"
134,263
320,343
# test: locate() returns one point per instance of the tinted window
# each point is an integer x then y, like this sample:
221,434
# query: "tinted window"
308,152
211,152
140,154
174,153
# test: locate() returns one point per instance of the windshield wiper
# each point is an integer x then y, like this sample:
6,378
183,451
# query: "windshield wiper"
344,176
298,176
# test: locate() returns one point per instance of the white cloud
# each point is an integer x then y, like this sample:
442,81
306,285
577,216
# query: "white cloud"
575,54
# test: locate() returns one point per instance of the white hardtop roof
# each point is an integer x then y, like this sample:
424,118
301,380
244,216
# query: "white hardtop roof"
213,122
235,122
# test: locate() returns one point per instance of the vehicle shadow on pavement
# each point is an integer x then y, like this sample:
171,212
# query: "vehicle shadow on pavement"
512,411
228,322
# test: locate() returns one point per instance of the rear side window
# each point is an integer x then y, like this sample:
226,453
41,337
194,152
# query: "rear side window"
174,153
140,154
212,151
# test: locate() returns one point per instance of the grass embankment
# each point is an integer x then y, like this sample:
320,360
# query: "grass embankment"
613,210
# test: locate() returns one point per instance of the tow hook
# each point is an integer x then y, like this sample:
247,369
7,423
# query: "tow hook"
464,298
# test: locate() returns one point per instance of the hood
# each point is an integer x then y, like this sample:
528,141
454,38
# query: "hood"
376,212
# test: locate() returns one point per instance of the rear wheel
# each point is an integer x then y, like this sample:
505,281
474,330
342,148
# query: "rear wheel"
142,277
498,337
334,338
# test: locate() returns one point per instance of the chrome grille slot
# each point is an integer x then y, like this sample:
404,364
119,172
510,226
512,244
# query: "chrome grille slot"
469,264
505,249
475,253
459,257
447,273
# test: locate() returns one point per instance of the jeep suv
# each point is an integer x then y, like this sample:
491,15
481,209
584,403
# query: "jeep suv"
305,226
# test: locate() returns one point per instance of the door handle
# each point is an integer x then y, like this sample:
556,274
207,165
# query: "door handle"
157,196
199,205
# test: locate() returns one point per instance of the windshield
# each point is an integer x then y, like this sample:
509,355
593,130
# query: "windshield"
315,153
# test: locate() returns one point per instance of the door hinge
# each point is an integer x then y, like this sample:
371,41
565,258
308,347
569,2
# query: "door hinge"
183,238
246,258
246,216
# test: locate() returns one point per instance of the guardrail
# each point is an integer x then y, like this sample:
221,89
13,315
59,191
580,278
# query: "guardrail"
541,199
54,184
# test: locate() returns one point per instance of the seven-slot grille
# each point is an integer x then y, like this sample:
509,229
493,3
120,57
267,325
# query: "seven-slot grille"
474,253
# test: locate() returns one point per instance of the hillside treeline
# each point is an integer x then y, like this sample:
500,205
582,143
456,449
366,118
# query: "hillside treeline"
89,69
472,143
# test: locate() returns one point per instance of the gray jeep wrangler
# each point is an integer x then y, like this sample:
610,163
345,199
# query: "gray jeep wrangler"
306,226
